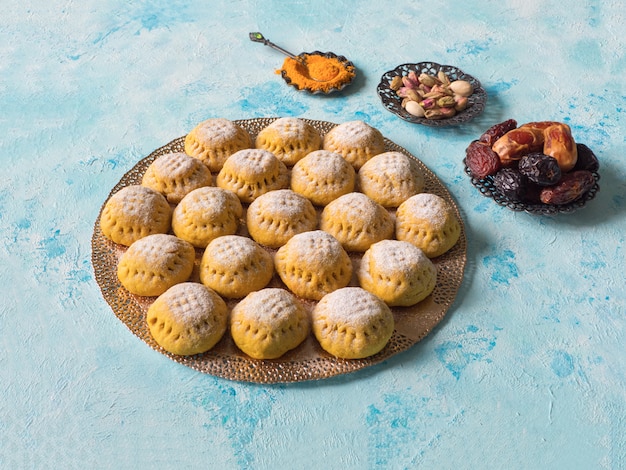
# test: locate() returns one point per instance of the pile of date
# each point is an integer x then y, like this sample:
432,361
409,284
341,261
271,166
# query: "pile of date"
536,163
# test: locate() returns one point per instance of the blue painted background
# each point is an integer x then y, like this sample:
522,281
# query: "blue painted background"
528,369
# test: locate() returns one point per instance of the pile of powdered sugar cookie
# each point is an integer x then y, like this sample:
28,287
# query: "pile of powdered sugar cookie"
274,237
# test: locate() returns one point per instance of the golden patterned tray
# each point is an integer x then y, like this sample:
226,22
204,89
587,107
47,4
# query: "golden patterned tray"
308,361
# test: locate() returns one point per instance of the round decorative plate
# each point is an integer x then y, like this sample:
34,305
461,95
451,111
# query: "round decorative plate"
329,55
393,103
309,361
487,188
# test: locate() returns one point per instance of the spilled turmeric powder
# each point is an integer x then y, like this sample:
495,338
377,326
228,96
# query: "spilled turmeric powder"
321,73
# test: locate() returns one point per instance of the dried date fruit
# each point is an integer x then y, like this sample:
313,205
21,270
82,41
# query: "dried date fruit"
540,168
540,125
571,187
512,184
496,131
516,143
559,143
481,160
587,160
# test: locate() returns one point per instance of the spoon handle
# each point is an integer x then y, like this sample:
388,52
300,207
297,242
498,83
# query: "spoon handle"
258,37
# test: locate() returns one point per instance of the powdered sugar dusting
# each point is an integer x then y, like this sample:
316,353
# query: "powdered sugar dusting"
270,306
233,251
318,249
324,165
400,255
355,207
175,164
354,133
283,204
426,206
352,306
391,164
190,302
253,164
219,130
289,129
211,200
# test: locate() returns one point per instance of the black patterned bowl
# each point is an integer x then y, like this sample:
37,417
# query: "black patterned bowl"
393,103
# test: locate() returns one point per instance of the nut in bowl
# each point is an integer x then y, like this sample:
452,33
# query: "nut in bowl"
431,94
537,167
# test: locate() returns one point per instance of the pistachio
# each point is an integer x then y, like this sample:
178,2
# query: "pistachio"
428,103
396,83
434,94
414,108
407,82
427,80
443,89
461,102
448,112
446,101
434,114
424,88
439,113
443,78
402,92
413,95
461,87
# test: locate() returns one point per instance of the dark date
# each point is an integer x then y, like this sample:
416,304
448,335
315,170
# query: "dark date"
571,187
512,184
496,131
481,160
587,160
540,168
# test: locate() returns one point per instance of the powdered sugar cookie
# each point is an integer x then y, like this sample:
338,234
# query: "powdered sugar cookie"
352,323
274,217
205,214
175,175
233,266
187,319
135,212
428,222
356,221
356,141
153,264
312,264
252,172
290,139
214,140
322,176
397,272
268,323
390,178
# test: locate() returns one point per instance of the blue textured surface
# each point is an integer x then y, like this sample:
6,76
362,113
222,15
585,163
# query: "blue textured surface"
528,369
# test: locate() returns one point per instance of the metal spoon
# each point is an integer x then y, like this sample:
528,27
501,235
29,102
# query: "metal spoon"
258,37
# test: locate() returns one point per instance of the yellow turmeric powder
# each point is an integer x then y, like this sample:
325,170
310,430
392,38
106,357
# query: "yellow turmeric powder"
320,73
